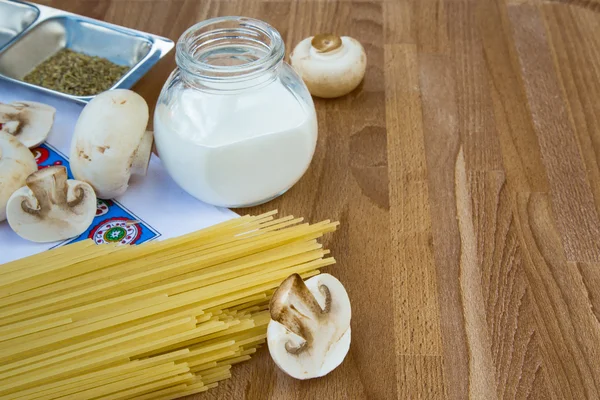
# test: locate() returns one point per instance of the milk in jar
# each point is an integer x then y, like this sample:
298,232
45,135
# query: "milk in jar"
234,125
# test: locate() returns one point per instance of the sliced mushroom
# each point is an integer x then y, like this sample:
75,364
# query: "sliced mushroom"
309,331
28,121
16,164
110,142
51,207
331,66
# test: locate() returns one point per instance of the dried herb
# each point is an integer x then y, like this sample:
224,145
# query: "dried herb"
76,73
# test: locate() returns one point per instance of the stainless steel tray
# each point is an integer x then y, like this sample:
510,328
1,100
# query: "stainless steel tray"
30,33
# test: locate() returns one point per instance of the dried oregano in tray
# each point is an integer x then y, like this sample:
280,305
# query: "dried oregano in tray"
76,73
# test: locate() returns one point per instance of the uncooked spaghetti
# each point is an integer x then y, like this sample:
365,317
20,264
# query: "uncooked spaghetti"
159,320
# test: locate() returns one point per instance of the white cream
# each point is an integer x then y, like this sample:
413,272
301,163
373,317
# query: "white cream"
236,149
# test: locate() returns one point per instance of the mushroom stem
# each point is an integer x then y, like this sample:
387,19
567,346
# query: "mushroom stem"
295,307
141,159
49,187
11,127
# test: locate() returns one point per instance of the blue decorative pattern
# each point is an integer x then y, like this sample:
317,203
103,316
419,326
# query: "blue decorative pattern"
113,222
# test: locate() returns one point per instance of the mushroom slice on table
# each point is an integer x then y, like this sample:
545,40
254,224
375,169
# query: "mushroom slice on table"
51,207
110,142
16,164
331,66
28,121
309,331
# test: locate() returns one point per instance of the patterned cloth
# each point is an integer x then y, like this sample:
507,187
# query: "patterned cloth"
153,206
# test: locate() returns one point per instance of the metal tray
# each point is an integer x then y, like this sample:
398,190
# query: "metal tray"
30,33
14,19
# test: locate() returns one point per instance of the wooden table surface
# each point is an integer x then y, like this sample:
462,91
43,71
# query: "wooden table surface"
465,174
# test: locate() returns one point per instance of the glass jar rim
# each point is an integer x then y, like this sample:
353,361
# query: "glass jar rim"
244,26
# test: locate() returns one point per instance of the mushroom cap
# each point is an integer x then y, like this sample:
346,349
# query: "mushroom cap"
106,141
299,369
28,121
326,330
51,207
16,164
329,65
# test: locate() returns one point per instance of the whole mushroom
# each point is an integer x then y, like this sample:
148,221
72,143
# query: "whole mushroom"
110,142
16,164
28,121
51,207
309,332
330,65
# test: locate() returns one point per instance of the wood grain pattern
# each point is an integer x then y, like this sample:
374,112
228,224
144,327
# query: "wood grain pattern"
417,320
572,196
465,172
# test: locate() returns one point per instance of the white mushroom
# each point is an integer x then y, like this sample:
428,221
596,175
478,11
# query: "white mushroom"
331,66
110,142
28,121
50,207
309,331
16,163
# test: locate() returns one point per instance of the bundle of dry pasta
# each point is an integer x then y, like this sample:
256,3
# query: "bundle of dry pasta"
156,321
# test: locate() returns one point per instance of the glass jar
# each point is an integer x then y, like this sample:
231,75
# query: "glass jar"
234,125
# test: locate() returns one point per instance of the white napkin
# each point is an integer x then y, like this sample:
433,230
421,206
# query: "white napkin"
161,207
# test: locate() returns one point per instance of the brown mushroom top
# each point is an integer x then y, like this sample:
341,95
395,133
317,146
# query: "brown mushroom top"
326,42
